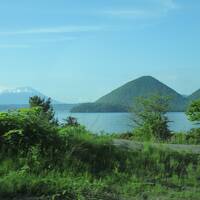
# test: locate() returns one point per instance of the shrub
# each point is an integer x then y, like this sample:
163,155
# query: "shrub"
149,114
193,137
190,137
24,128
179,138
70,121
45,106
193,111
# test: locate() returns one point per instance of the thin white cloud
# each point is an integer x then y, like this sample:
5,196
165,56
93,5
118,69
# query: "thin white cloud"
34,42
14,46
3,88
54,30
127,13
169,4
156,9
57,39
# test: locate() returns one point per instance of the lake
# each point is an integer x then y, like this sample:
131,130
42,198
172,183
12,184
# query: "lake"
111,122
121,122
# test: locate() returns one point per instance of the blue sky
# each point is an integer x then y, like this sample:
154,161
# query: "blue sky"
78,50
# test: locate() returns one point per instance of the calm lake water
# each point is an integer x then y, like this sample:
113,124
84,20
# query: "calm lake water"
121,122
111,122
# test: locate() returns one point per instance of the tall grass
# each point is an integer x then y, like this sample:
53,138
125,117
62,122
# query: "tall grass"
91,167
69,162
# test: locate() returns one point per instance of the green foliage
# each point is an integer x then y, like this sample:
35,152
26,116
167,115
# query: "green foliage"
179,138
14,138
46,161
70,121
45,105
149,114
193,111
150,172
21,129
193,137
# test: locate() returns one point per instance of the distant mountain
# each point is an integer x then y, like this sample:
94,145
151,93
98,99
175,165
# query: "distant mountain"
144,86
20,96
97,107
194,96
122,98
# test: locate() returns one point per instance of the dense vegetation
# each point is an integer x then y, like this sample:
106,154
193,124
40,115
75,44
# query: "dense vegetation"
43,159
122,98
149,114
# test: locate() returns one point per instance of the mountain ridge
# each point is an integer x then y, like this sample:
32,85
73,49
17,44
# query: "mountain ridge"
195,95
143,86
122,98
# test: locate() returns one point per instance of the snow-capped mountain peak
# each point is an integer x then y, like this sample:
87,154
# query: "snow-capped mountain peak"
19,90
20,95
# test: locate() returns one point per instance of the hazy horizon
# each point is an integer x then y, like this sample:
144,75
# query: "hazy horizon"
75,51
27,88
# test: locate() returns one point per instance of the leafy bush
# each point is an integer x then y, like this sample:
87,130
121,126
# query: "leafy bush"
45,106
179,138
70,121
149,114
193,111
193,137
21,129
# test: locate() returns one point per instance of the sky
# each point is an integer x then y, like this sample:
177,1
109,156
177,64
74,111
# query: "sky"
78,50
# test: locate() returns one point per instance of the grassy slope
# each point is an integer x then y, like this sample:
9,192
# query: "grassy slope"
135,146
135,179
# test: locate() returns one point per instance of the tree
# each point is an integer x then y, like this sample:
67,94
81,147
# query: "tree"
46,106
149,114
71,121
26,127
193,111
